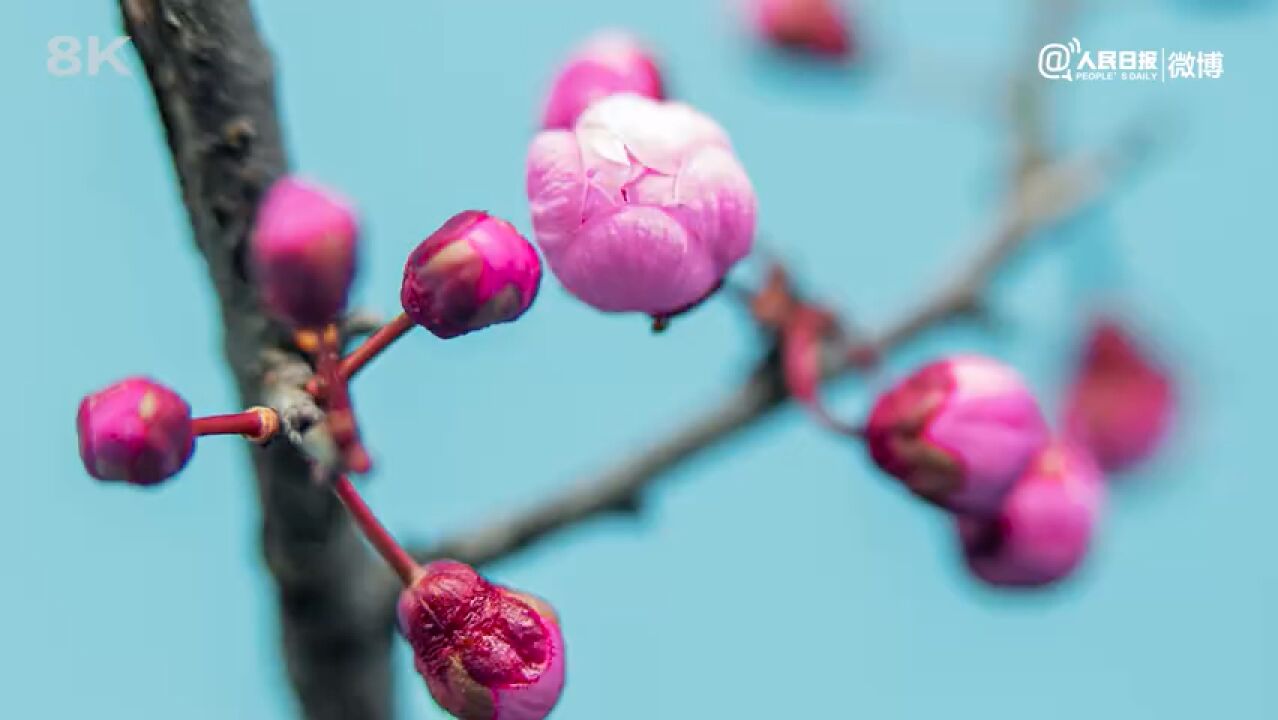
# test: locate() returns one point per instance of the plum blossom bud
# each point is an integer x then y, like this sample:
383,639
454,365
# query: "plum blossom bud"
303,252
608,63
474,271
641,207
814,26
135,431
1121,402
1043,530
957,432
485,651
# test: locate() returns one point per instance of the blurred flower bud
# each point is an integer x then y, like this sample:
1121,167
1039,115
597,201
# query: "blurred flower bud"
1121,402
486,652
641,207
608,63
1042,532
814,26
475,271
957,432
135,431
303,253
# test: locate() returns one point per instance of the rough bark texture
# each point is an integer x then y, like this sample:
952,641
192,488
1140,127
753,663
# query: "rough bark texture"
214,88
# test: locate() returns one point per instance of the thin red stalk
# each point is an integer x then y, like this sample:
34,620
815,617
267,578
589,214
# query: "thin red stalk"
391,551
341,417
372,346
258,424
801,343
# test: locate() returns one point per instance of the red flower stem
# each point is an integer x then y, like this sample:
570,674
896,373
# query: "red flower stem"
801,343
391,551
372,346
258,424
341,417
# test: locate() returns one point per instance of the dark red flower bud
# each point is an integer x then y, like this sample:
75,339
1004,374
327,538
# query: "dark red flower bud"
136,431
1121,402
485,651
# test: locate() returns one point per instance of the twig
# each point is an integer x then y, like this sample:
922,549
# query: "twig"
1044,196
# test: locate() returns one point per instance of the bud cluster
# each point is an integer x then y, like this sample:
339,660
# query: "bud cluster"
966,434
486,652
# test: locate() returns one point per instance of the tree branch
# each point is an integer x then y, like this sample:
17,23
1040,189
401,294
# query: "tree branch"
214,87
1043,196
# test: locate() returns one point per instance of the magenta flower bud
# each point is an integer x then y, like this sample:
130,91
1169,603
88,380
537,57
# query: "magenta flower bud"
1121,402
303,253
486,652
957,432
641,207
136,431
475,271
818,27
611,62
1044,527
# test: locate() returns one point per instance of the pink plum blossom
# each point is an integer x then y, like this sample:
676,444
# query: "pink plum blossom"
303,252
1121,402
641,207
608,63
957,432
1043,530
135,431
474,271
485,651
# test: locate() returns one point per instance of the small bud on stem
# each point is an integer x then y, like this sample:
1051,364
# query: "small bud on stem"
135,431
1044,527
476,270
303,252
486,652
958,432
140,432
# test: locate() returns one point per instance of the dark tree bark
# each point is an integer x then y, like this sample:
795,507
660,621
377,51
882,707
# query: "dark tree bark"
214,88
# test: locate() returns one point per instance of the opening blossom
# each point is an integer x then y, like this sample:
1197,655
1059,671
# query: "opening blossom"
1121,402
957,432
608,63
474,271
135,431
303,252
815,26
641,207
485,651
1042,532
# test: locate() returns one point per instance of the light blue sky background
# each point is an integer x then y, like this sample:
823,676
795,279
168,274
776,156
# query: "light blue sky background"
776,577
